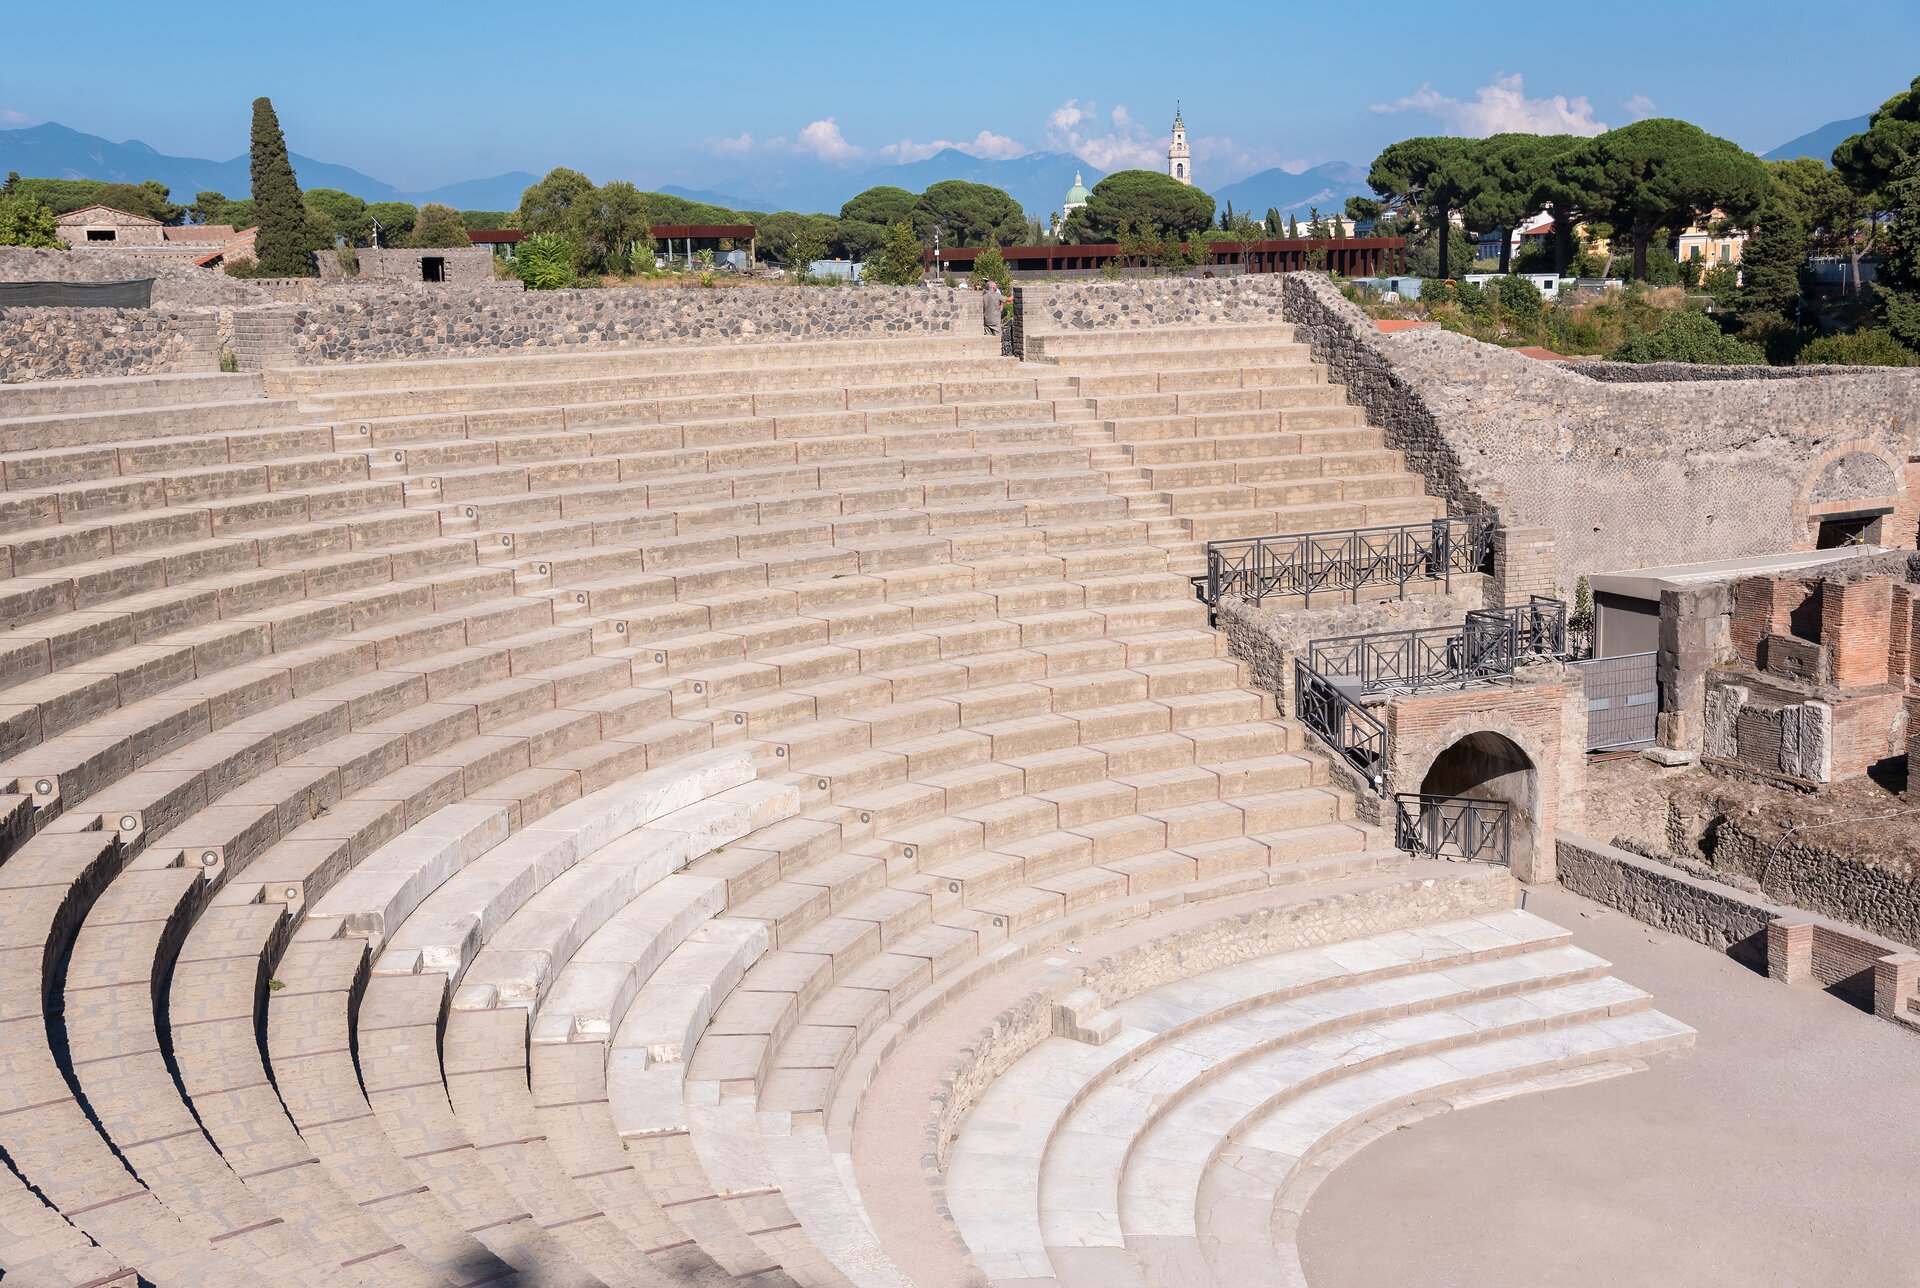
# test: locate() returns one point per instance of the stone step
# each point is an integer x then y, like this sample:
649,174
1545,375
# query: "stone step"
60,397
1062,346
213,1007
91,428
1183,1038
1275,1098
652,358
310,1044
398,1037
48,886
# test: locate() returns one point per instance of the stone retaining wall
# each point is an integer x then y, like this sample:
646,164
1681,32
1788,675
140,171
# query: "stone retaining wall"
1044,308
1661,372
1783,942
61,344
177,283
1660,895
1822,870
455,323
1722,463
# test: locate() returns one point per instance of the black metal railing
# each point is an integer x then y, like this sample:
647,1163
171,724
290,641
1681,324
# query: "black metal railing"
1333,711
1453,827
1487,646
1346,560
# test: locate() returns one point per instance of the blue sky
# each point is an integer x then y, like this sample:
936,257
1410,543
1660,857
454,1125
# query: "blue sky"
422,94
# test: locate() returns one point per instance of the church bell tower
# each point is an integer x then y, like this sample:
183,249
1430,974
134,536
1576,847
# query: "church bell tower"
1179,161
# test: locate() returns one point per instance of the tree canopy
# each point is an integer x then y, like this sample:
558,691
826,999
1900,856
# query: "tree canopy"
395,220
898,263
1665,174
438,225
1433,177
1144,198
346,212
1869,162
285,244
27,221
883,204
968,214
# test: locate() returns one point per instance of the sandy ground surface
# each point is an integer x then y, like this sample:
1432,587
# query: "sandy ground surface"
1783,1151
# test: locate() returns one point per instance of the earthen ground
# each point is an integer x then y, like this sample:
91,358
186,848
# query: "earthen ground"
1782,1152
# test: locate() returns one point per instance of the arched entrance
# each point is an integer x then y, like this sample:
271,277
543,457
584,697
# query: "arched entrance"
1488,766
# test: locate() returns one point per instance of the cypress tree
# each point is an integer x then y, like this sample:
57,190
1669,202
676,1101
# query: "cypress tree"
282,246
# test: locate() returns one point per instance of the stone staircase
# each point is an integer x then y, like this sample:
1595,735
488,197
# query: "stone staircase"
1227,431
475,820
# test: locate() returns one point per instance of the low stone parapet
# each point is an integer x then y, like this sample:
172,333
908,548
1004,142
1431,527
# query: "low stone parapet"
1784,943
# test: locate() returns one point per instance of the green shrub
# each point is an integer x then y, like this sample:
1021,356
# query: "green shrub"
25,221
898,263
544,262
991,266
1685,335
1519,298
1875,348
438,226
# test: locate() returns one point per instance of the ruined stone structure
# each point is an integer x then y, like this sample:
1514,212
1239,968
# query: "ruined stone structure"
1816,688
459,265
503,784
103,226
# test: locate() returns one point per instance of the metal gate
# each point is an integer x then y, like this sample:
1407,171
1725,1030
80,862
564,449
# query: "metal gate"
1623,700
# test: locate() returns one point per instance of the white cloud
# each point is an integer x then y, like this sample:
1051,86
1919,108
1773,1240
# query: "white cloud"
11,119
1640,107
1501,108
986,145
823,139
1125,145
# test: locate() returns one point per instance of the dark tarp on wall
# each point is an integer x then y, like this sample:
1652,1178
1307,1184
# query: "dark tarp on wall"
134,294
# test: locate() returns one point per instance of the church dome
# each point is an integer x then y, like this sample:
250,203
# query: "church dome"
1077,194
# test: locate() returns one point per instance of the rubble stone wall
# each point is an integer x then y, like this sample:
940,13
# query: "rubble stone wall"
453,323
64,343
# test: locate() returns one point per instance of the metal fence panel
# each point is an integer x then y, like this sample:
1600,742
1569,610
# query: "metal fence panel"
1623,700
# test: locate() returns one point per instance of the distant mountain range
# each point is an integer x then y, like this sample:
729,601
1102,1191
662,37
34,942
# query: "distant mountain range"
1819,144
1324,186
1038,181
53,151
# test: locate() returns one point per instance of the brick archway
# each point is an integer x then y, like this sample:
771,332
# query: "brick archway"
1858,476
1485,765
1496,744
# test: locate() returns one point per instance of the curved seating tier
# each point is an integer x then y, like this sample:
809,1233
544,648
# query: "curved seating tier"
478,820
1158,1156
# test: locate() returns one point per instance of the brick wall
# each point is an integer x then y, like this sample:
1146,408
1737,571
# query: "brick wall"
1856,619
1523,564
